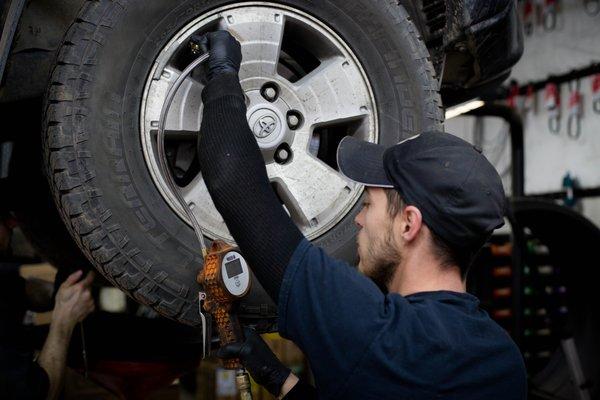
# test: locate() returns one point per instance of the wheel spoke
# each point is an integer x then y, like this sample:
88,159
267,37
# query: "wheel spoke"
260,32
185,114
196,191
197,197
309,187
329,95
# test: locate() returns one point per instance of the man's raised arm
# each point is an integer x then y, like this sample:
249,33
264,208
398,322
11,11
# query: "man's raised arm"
234,171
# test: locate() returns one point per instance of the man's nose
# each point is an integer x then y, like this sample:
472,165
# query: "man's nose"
358,218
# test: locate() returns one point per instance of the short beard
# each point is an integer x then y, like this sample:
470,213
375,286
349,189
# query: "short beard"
383,258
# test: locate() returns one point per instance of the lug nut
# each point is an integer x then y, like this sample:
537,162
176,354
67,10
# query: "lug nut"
283,154
270,91
294,119
270,94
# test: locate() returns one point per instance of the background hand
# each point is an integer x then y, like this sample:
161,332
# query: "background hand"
259,360
73,300
225,53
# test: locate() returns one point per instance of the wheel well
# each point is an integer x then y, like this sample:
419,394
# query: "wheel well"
43,24
38,36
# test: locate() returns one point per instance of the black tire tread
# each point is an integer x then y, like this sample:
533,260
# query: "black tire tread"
71,178
434,112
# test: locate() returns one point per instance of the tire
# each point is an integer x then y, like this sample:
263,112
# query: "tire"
28,195
93,155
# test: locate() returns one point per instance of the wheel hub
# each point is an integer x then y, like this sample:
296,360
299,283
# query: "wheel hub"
294,106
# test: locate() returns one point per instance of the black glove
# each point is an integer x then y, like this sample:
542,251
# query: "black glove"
259,360
225,53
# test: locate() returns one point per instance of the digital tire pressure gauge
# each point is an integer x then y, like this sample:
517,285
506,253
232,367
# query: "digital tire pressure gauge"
225,279
235,274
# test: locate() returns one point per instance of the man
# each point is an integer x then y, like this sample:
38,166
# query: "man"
431,203
20,376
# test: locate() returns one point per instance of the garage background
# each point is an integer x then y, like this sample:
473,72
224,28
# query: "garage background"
571,46
544,301
557,170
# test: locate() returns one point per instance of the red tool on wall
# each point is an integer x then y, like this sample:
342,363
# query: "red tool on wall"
529,102
596,93
575,110
552,102
528,17
513,95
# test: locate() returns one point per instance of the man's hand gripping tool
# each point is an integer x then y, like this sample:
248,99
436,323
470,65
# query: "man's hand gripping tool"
226,279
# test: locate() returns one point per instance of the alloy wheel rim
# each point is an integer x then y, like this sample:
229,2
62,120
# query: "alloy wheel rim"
314,101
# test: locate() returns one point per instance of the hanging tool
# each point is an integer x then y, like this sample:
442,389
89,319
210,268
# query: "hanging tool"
596,93
513,95
539,12
592,7
528,17
225,277
549,15
552,102
529,102
575,110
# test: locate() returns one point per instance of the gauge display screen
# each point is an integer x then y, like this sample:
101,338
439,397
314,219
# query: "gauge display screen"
233,268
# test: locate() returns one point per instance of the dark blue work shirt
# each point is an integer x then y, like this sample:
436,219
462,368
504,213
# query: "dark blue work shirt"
363,344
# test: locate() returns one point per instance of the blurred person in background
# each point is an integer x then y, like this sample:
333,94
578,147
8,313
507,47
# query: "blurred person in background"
22,376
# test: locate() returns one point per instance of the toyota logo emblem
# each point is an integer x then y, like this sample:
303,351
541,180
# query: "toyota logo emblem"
264,126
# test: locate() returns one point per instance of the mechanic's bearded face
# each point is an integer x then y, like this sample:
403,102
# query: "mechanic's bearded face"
378,250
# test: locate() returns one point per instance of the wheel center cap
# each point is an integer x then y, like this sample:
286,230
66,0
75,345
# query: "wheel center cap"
265,124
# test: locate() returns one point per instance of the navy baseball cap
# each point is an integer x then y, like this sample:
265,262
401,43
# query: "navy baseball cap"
457,190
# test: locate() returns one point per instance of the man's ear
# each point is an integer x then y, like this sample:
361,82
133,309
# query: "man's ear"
412,223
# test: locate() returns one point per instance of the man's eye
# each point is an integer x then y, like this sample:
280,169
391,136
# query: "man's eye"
365,204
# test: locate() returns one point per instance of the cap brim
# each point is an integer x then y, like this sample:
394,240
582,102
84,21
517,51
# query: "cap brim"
362,162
